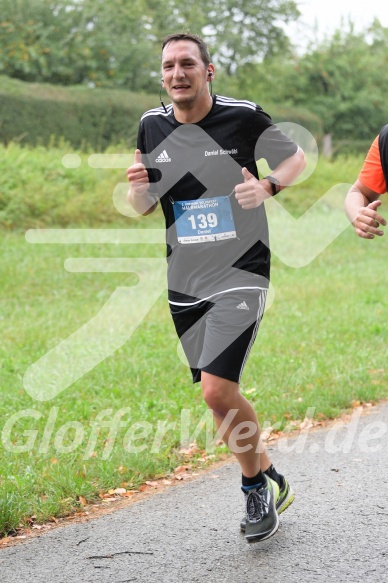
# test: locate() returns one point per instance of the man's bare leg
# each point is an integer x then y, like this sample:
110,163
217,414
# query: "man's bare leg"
222,396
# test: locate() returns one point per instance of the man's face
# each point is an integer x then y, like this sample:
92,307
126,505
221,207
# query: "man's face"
184,73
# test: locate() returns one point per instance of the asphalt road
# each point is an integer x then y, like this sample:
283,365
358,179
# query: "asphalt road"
336,530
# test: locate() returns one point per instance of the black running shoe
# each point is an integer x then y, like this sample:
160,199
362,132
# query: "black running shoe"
261,519
286,497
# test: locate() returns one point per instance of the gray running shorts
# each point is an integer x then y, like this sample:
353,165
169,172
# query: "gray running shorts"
217,334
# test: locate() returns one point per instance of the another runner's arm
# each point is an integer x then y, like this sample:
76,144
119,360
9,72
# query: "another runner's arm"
361,206
139,198
362,202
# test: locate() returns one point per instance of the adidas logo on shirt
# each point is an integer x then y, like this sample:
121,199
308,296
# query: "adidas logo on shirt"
242,306
163,157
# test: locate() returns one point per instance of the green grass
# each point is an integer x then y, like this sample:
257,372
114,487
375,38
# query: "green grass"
36,190
322,344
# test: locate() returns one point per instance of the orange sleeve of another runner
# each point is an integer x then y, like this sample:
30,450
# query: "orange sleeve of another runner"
372,173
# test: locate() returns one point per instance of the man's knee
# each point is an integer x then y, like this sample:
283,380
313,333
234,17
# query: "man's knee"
217,392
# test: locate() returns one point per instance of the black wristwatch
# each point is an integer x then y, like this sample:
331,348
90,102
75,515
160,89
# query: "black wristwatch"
275,184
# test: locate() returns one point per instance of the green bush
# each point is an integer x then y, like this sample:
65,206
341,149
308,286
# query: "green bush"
37,114
40,114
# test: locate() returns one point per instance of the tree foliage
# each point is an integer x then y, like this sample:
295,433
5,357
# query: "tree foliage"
71,42
242,31
117,43
342,79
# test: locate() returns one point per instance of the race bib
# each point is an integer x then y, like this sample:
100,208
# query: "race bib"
203,220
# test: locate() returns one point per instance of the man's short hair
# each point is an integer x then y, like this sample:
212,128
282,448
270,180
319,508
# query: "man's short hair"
195,38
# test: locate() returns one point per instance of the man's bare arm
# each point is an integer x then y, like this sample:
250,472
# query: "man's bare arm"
361,206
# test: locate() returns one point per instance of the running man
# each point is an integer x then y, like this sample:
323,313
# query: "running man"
197,157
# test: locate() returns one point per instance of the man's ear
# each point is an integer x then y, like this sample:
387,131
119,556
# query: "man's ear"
210,72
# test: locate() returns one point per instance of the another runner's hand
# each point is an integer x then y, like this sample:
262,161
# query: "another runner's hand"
368,220
138,175
250,193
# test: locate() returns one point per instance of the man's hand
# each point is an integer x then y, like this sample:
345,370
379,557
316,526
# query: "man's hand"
138,196
361,206
138,175
367,221
250,193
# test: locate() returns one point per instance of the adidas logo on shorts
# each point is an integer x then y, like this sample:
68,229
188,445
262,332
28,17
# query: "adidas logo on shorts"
242,306
163,157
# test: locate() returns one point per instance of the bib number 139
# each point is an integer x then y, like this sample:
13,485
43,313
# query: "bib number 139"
202,221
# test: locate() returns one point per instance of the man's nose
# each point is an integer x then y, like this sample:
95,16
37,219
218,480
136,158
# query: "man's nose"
178,72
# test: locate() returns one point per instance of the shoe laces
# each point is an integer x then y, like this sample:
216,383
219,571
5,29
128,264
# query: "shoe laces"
255,505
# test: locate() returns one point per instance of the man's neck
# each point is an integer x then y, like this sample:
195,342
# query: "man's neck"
192,114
